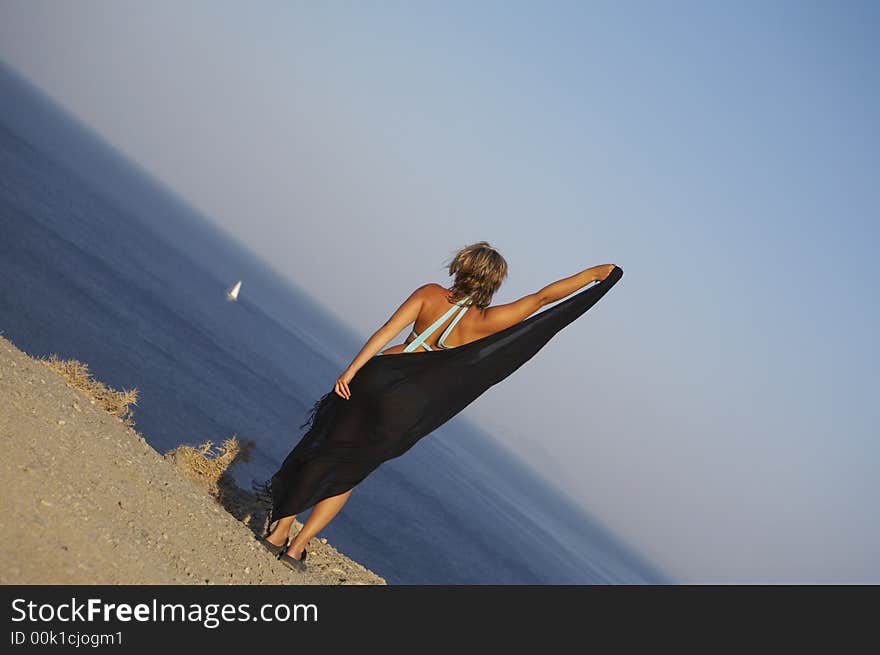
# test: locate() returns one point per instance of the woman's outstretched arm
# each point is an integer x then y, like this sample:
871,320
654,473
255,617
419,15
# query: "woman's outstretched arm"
500,317
568,285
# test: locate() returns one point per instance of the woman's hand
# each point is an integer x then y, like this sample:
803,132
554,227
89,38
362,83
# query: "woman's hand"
341,386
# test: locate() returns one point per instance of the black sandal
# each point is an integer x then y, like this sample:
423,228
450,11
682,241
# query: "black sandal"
272,548
294,564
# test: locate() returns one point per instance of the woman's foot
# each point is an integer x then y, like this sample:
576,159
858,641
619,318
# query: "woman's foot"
297,563
276,539
294,551
275,549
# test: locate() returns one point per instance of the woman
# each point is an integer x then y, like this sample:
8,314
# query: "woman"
384,402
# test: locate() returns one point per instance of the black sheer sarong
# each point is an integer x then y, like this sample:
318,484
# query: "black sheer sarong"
396,399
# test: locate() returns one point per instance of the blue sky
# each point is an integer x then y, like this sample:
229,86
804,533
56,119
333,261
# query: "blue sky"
718,408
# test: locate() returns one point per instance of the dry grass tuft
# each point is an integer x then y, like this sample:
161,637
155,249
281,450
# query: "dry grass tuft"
208,466
77,374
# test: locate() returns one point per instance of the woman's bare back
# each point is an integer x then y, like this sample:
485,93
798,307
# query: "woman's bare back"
475,324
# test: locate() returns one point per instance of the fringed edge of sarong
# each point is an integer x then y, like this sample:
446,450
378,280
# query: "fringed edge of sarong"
263,490
310,421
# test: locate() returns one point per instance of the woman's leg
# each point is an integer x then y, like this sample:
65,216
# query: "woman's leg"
281,531
322,513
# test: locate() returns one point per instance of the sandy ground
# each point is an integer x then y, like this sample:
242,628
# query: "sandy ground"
85,499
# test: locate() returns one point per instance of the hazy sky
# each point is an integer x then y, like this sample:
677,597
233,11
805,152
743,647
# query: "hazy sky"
718,409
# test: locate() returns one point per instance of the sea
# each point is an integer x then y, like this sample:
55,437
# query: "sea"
102,263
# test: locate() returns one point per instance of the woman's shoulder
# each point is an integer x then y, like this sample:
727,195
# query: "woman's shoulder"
431,290
434,295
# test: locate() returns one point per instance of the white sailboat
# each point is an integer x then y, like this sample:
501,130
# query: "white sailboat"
232,294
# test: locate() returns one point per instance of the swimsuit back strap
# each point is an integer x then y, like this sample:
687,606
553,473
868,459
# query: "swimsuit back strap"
442,340
420,340
415,343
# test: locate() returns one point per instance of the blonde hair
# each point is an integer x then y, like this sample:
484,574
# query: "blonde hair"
479,270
